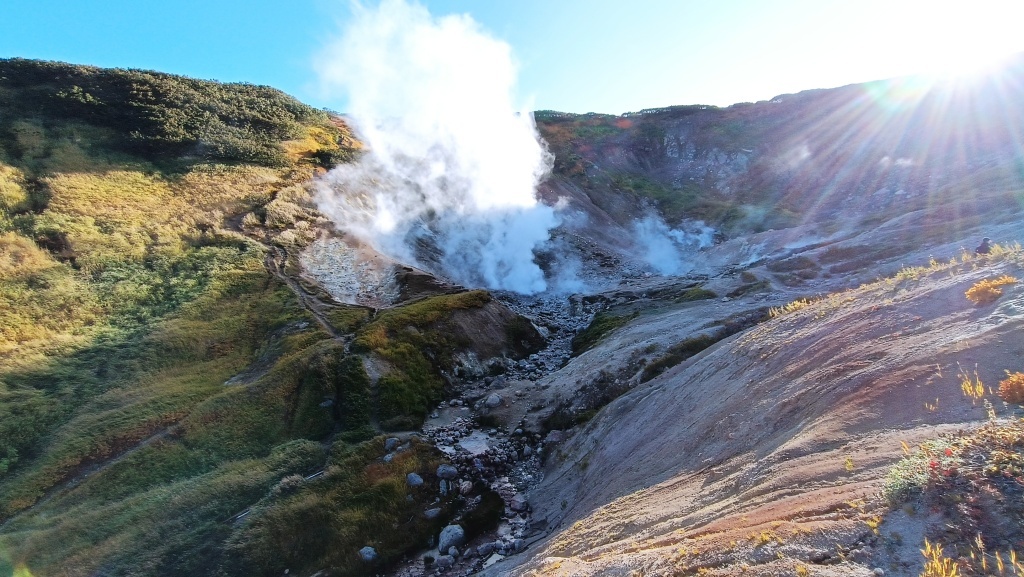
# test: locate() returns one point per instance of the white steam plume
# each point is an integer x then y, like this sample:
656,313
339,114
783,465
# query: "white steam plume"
449,180
666,249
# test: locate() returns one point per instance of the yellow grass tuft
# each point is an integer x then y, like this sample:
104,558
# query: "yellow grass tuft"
936,564
789,308
971,386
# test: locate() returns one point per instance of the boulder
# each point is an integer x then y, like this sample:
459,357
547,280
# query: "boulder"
391,444
451,536
447,472
493,401
368,554
432,513
518,503
413,480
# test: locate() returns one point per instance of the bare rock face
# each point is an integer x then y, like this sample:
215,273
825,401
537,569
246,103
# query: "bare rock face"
822,396
351,273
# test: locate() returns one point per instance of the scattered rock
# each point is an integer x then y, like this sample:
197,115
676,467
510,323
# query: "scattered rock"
432,513
447,472
518,503
413,480
391,444
453,551
493,400
444,561
451,536
485,549
368,554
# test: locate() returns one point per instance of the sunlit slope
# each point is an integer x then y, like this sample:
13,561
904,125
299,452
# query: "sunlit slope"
871,150
159,372
770,450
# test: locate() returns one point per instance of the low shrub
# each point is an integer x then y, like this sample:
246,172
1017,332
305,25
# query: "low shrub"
1011,389
602,324
973,479
696,294
792,264
359,501
678,353
418,344
987,291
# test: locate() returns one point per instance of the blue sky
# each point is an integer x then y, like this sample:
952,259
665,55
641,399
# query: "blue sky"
574,55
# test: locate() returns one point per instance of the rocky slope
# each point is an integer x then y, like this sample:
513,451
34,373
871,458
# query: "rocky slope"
767,451
319,408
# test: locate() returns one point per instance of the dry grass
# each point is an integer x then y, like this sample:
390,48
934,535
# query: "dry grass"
988,290
936,563
1011,389
971,385
792,307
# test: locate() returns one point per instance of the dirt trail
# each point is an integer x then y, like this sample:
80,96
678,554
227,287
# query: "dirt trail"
275,261
88,471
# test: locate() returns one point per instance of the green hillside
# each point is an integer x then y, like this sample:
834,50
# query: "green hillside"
156,378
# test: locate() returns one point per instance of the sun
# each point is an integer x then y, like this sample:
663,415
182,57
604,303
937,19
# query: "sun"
955,39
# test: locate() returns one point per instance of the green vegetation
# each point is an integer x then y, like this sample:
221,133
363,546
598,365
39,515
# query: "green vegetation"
792,264
46,105
417,342
691,346
973,477
322,523
155,378
602,324
565,133
678,353
695,294
145,532
688,201
751,287
855,258
347,319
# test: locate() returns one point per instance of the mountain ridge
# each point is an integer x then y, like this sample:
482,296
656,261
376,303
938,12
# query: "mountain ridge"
215,353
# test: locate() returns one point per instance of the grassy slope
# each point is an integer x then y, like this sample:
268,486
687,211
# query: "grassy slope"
131,302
